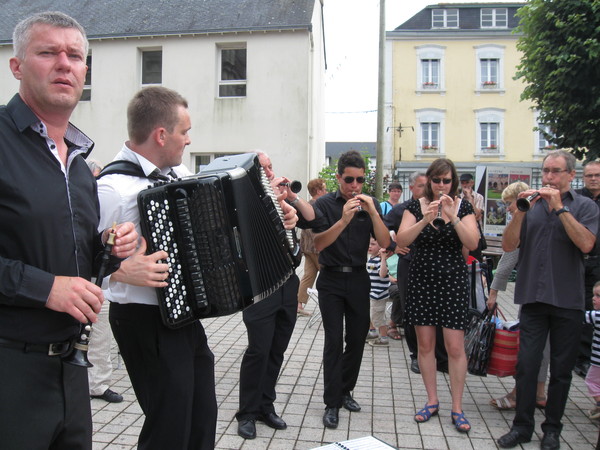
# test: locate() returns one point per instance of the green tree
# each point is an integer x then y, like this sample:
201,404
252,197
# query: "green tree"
560,43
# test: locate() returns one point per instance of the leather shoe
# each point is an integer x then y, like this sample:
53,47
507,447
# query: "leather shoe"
414,365
273,420
512,439
247,429
550,441
349,403
331,417
109,396
581,368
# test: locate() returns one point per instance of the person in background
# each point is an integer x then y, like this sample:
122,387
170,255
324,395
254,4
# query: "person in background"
592,379
349,219
100,374
552,237
505,266
467,185
316,188
269,325
380,291
50,247
395,192
438,283
591,189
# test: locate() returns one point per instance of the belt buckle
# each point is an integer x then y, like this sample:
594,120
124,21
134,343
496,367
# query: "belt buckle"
58,348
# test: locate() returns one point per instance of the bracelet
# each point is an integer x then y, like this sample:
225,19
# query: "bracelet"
296,200
455,222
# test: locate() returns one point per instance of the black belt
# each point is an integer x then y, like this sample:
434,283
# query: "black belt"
56,349
346,269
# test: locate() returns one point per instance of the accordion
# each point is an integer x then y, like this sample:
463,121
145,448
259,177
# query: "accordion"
224,235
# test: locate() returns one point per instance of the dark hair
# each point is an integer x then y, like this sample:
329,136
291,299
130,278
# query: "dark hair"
350,159
395,186
152,107
314,185
437,168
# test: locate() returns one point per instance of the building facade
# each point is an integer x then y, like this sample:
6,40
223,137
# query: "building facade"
451,89
252,72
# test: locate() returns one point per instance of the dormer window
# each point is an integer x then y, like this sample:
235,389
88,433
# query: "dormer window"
444,18
494,17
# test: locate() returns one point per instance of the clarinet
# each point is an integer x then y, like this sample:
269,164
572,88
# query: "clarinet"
78,355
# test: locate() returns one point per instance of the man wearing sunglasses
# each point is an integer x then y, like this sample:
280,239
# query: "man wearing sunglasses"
350,218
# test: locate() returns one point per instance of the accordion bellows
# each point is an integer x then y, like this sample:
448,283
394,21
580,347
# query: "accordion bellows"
224,236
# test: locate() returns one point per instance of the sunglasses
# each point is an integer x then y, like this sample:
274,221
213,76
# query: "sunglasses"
350,180
441,180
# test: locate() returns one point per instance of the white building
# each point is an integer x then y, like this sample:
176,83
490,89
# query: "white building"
251,70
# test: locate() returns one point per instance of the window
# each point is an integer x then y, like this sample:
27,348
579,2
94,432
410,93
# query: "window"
494,18
232,79
430,137
431,73
542,132
430,123
430,70
201,160
489,137
490,131
86,95
444,18
490,67
489,72
151,67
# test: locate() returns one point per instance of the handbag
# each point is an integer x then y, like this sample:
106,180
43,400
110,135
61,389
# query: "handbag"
503,358
479,341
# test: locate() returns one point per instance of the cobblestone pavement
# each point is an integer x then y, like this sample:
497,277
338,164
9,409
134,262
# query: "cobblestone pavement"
387,390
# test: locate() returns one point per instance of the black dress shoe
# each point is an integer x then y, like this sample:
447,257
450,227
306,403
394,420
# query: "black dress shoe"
273,420
109,396
349,403
247,429
414,365
331,417
512,439
581,369
550,441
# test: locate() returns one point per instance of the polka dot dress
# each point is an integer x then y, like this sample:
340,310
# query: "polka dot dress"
438,283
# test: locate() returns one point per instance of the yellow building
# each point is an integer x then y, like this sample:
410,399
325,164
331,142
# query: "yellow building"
452,91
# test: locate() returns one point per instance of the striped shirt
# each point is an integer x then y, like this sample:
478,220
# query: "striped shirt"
593,317
380,286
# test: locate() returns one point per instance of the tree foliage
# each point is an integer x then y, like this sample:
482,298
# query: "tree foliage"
560,43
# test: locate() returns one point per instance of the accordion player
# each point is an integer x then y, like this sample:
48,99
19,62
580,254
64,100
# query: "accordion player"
224,235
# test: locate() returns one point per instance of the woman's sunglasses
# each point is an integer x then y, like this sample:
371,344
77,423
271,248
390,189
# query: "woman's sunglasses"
441,180
350,180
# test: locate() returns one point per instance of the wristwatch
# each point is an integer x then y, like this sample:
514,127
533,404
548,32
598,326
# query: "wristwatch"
562,210
296,200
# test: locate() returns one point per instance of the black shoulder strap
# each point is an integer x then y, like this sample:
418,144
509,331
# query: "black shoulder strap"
124,167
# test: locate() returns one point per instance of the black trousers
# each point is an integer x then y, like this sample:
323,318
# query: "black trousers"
172,374
343,297
44,403
270,324
563,325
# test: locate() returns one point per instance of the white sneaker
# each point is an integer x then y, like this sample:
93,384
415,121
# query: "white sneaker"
372,336
379,342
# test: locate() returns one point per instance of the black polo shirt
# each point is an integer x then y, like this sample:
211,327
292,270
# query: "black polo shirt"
352,245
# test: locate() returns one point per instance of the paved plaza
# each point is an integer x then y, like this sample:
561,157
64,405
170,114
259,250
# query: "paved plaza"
387,390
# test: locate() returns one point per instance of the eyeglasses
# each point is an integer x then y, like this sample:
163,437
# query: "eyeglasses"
592,175
553,171
441,180
350,180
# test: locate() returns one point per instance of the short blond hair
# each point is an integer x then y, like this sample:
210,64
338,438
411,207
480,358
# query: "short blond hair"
512,191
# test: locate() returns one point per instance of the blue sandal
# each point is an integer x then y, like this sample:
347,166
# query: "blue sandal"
460,422
427,412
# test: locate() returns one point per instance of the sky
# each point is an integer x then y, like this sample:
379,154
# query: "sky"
351,40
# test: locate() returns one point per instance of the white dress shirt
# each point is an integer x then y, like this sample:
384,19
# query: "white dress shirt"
118,203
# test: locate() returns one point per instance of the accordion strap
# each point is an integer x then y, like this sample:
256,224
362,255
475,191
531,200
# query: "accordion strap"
124,167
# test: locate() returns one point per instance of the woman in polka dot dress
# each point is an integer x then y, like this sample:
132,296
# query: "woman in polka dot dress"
438,282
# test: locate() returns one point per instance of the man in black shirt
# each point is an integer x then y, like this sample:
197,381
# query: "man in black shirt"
50,239
349,220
